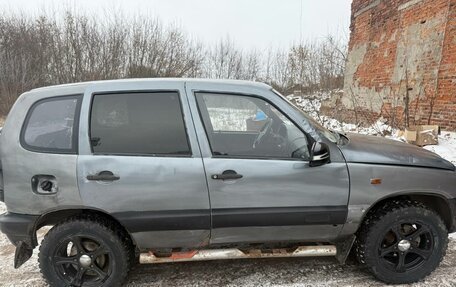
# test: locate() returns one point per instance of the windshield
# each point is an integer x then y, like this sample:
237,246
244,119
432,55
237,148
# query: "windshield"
330,135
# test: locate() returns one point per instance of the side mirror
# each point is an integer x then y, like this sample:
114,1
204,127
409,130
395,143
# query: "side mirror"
319,155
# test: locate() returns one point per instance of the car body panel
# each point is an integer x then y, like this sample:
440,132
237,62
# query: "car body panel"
284,189
20,165
395,181
166,201
286,196
151,189
378,150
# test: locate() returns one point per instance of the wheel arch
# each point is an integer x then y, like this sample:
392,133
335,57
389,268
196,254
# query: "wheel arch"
438,203
54,217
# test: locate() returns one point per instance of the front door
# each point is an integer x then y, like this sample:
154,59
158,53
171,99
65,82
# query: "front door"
142,164
260,183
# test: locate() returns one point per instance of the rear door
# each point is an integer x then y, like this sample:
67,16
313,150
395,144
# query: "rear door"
140,162
257,163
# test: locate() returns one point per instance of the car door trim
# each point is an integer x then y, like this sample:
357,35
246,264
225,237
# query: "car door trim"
231,217
279,216
141,221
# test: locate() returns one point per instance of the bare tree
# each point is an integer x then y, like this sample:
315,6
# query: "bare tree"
49,49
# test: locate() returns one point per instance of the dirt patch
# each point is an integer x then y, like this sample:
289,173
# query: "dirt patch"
7,250
260,272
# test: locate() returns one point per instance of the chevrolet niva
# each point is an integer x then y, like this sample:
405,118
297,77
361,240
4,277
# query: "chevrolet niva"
169,170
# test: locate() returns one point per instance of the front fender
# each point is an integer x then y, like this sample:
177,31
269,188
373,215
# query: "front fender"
396,181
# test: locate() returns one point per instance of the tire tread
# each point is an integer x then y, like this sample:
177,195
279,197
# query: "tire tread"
89,221
371,223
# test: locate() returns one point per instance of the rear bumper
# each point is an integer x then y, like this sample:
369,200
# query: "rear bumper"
19,228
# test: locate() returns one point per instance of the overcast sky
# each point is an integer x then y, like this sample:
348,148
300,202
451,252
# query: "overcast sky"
252,24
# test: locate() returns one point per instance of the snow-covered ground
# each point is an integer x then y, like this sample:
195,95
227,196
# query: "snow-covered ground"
223,119
446,147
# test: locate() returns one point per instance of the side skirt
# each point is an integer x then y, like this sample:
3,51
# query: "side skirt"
234,253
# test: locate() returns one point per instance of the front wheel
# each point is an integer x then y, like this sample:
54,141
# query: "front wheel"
83,252
402,242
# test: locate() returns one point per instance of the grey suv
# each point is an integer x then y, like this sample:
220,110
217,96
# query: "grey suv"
175,170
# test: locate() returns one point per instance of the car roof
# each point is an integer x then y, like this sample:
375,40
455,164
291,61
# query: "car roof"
84,85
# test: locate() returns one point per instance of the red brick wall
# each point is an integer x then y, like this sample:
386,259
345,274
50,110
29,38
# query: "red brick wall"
403,49
445,107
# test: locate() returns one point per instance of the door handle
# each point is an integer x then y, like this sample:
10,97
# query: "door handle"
227,175
103,176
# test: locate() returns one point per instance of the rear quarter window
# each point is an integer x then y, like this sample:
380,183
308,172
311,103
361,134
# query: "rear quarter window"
51,125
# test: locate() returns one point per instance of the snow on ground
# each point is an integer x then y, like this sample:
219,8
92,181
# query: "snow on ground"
312,105
225,119
446,147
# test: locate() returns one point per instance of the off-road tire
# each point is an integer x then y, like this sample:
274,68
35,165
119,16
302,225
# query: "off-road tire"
377,224
105,233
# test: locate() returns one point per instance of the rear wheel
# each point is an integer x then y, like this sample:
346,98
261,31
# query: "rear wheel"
83,252
402,242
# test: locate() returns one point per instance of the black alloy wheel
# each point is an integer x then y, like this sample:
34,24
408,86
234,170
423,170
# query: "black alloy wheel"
406,246
85,252
82,260
401,241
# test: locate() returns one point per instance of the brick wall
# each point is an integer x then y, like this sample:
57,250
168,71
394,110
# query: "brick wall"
402,61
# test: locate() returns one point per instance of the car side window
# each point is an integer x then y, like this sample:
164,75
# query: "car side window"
138,124
51,125
249,127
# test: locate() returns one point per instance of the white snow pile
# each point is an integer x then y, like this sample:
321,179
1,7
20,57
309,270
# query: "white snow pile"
225,119
312,104
446,147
